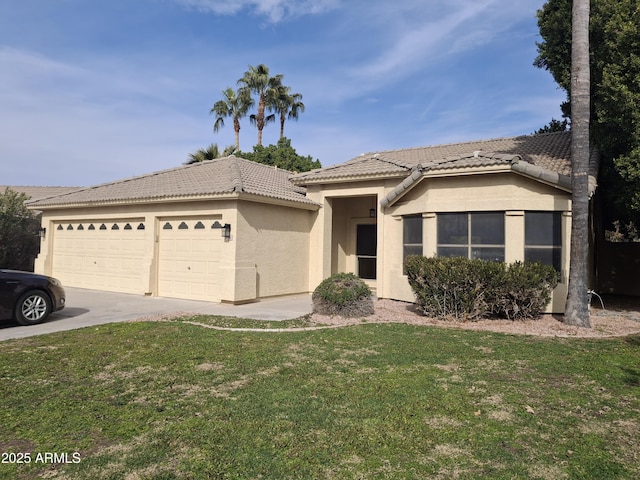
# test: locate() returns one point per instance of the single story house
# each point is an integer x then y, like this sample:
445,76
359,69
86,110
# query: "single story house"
236,231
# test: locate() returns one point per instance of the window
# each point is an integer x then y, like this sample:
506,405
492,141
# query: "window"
471,235
543,238
411,236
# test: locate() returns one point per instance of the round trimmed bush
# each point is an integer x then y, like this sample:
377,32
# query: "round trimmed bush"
343,294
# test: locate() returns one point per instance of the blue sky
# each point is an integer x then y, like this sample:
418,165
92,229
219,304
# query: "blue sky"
93,91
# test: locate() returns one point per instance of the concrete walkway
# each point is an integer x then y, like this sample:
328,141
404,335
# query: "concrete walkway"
86,308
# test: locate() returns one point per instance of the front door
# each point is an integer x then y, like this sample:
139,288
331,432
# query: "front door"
366,246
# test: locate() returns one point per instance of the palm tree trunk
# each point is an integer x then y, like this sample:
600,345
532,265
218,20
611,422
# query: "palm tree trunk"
577,309
282,119
260,118
236,128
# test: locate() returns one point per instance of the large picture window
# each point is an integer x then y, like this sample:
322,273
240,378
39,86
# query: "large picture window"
411,236
543,238
471,235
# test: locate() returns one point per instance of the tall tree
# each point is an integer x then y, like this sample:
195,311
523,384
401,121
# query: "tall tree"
258,81
577,309
288,105
615,92
282,156
554,126
235,105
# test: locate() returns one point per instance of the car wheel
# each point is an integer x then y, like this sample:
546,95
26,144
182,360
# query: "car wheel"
32,307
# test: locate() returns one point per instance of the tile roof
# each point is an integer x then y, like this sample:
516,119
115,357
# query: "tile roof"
36,193
211,178
550,151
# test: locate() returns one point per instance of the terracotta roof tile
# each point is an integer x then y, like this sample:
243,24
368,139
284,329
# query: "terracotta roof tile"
209,178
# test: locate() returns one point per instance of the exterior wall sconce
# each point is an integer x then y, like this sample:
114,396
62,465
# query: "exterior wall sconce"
42,232
226,231
372,213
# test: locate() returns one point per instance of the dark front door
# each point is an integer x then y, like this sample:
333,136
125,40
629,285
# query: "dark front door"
366,246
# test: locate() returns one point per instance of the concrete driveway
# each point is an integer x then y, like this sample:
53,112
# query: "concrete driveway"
86,308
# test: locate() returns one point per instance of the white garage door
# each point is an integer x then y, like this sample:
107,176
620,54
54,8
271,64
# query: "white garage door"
102,255
189,258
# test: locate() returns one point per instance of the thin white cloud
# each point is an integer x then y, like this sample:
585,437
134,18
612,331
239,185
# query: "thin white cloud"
418,38
274,10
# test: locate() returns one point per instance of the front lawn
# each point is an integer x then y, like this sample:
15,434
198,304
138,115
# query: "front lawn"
171,400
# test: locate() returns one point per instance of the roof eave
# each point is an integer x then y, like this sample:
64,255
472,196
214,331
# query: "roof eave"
542,175
346,178
304,205
135,201
307,205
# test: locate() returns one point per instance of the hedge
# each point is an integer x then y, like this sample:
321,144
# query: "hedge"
468,290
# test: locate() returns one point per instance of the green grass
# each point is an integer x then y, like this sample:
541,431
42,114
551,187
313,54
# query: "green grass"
170,400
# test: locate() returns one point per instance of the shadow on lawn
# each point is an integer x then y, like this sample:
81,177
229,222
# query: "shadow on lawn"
632,377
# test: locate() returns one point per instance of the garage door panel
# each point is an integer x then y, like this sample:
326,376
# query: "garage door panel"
89,256
189,259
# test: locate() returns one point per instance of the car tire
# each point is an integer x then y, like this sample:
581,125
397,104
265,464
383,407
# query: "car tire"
33,307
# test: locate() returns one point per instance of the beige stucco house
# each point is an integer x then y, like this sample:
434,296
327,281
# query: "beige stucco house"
160,234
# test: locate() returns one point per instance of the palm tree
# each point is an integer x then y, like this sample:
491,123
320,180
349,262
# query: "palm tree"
234,105
577,309
257,80
288,105
210,153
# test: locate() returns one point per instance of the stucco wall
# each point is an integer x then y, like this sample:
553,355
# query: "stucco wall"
275,244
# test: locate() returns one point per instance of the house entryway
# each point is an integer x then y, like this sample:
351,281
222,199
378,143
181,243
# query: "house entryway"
354,237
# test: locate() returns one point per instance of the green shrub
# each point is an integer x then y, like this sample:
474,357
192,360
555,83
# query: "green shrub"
525,290
343,294
451,287
466,289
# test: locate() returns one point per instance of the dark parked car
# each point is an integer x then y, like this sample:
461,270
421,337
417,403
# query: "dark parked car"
28,297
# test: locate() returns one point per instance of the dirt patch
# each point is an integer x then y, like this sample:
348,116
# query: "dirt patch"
620,317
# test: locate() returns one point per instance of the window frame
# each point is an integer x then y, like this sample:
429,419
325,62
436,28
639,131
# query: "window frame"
556,244
406,222
469,245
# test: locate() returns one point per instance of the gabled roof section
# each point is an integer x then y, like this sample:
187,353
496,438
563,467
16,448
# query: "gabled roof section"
550,151
476,159
363,167
227,176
